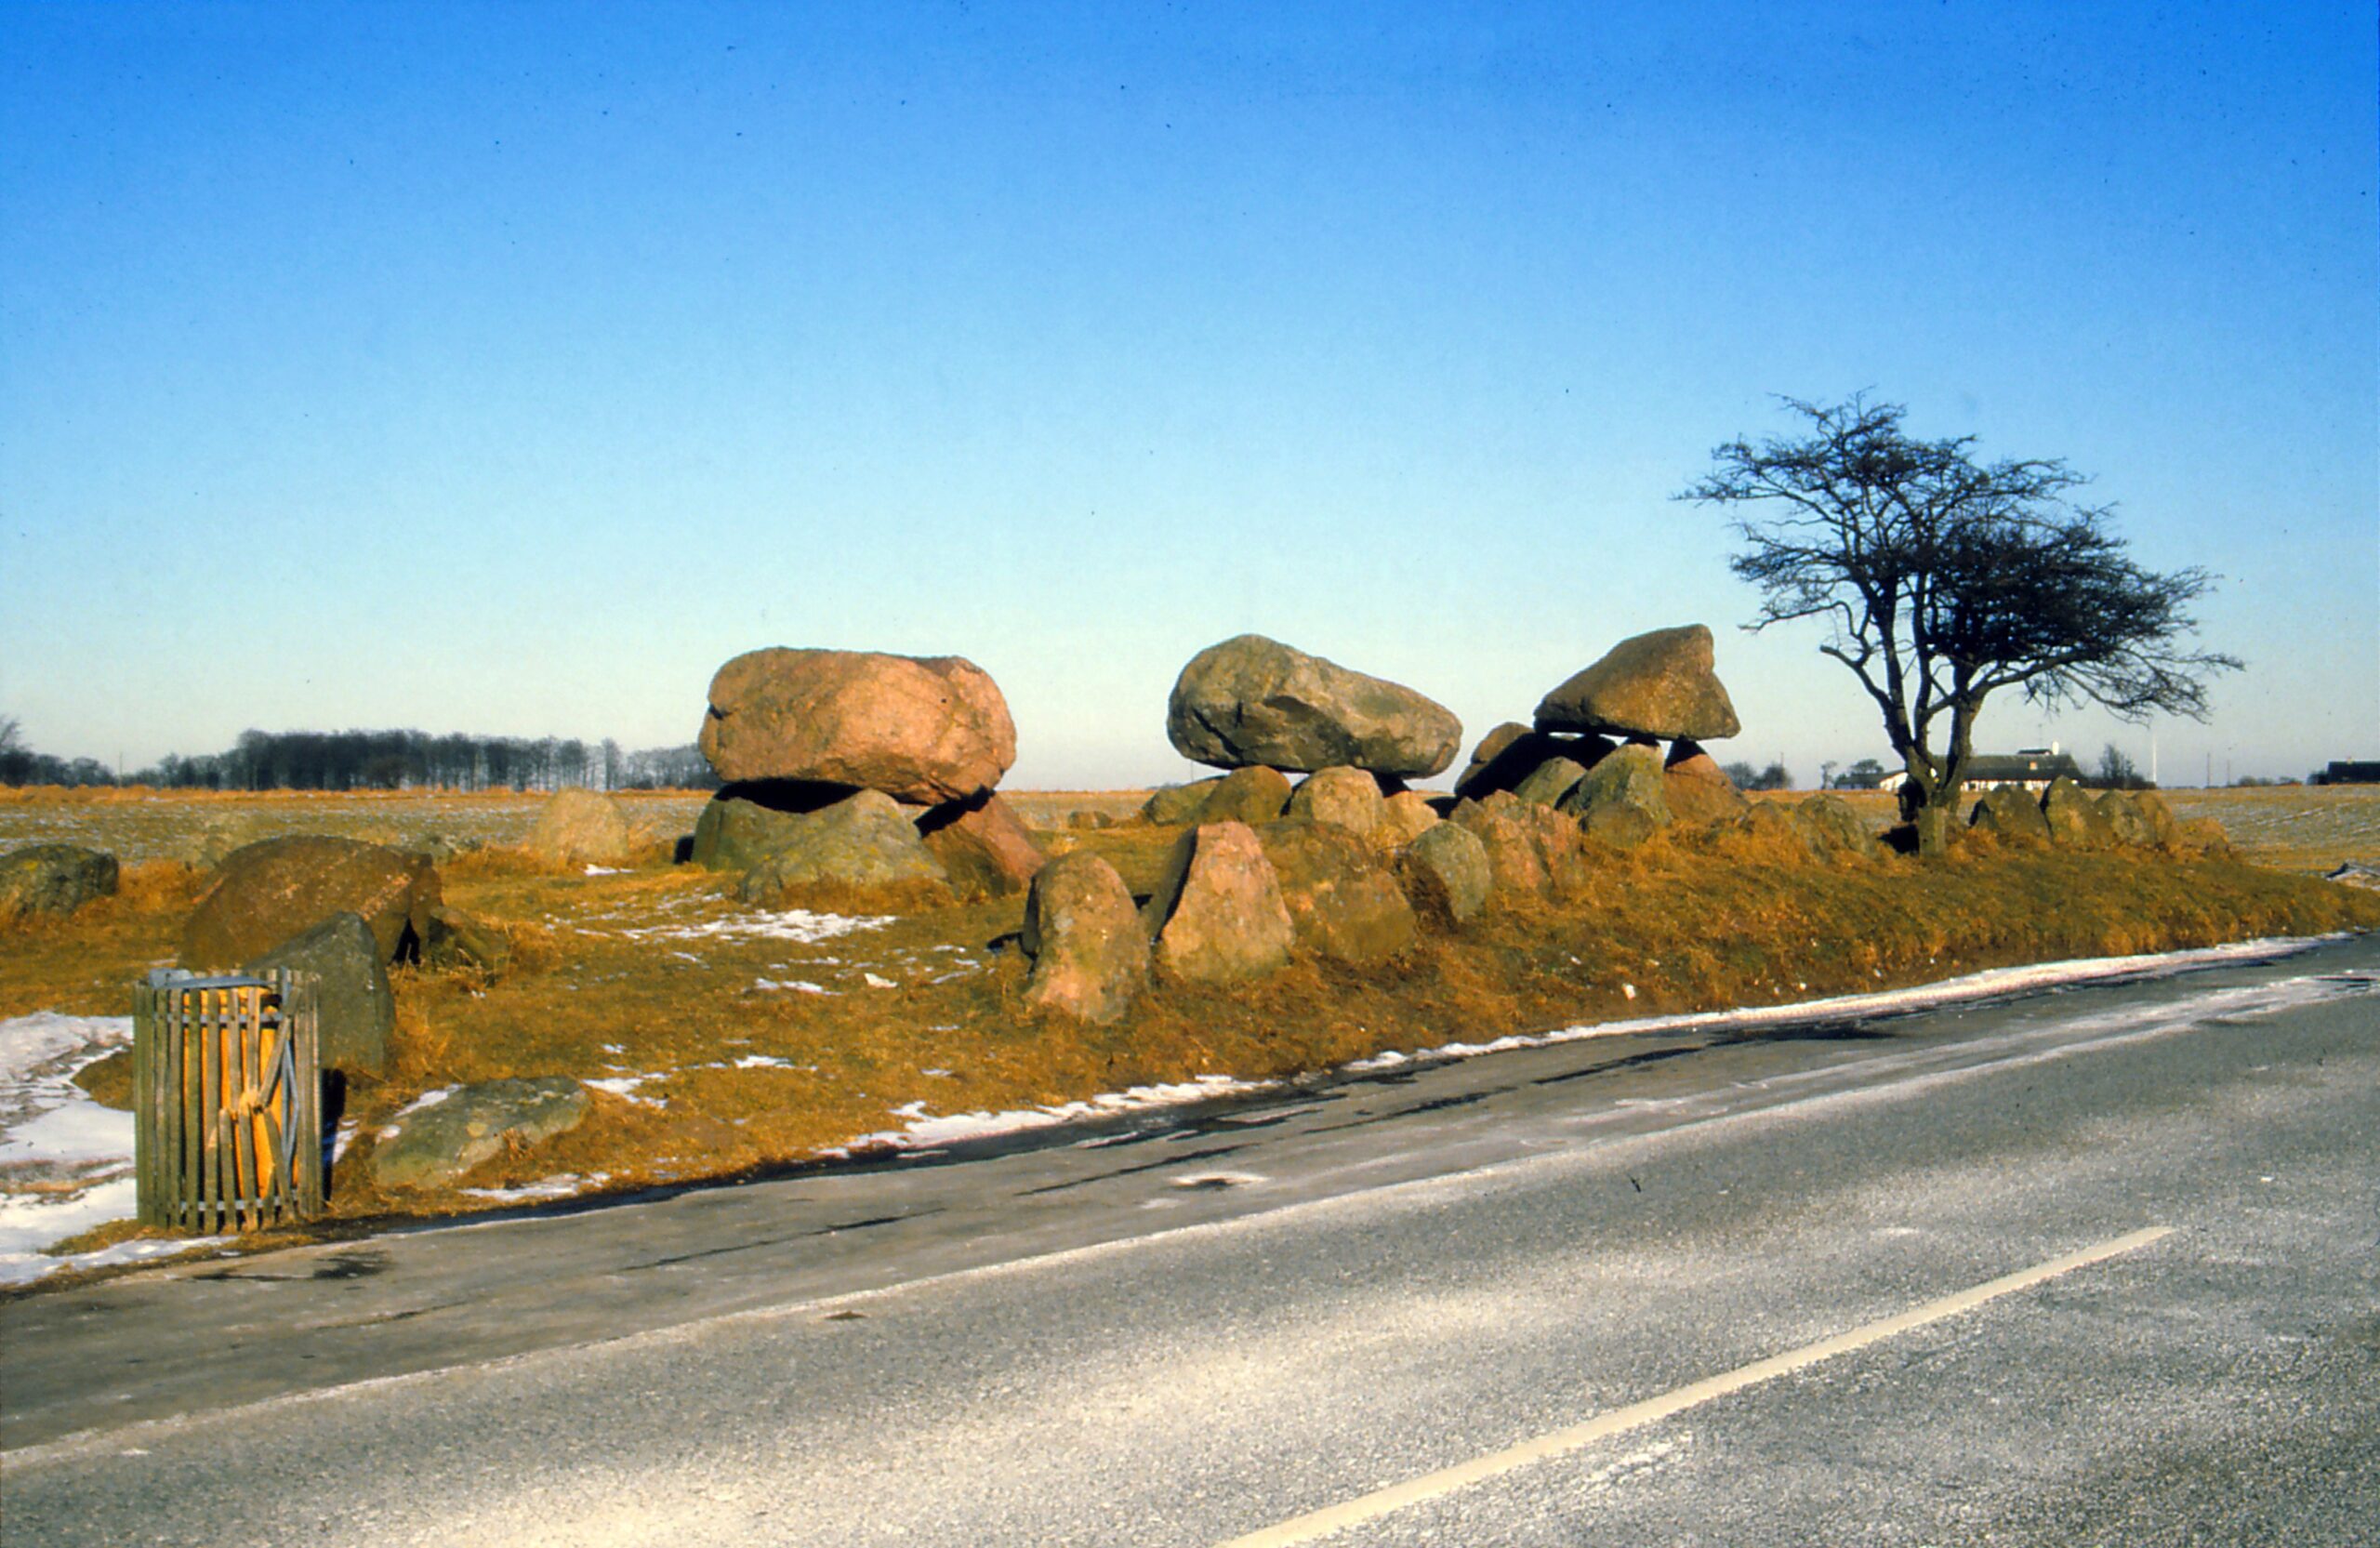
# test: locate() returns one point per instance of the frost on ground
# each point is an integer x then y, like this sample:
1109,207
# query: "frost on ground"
922,1130
797,925
65,1161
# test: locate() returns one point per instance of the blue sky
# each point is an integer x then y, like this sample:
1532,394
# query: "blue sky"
506,368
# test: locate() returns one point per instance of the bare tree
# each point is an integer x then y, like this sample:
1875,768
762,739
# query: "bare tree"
1946,581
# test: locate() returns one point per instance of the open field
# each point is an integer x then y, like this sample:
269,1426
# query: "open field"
721,1041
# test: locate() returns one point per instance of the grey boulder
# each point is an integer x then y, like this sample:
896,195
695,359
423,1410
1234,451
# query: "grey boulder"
54,879
355,1009
1252,700
435,1145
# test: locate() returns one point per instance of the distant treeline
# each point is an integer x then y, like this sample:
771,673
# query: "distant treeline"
378,760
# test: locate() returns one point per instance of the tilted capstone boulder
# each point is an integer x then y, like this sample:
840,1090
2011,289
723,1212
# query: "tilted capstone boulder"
922,729
1250,700
1660,685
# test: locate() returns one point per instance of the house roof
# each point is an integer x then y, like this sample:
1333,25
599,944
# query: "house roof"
2018,767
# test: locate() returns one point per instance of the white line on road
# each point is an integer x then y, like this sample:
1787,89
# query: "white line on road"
1431,1486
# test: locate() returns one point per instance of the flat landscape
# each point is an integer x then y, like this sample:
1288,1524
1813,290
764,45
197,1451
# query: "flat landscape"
720,1039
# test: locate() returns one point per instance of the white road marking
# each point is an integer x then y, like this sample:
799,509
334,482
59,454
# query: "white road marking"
1555,1443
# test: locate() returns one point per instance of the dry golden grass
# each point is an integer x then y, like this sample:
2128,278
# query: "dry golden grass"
615,977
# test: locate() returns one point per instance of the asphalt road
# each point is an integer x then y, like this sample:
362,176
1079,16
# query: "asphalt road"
1190,1330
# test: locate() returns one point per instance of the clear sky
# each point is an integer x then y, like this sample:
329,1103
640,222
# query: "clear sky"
507,367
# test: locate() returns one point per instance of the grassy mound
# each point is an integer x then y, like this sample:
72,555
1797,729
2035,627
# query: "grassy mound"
732,1044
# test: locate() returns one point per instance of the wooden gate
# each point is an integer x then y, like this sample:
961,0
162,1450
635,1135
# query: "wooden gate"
227,1093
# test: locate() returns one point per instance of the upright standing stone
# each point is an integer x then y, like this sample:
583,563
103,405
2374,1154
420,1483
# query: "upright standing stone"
581,826
356,1010
1343,902
1447,876
1339,798
1699,791
983,844
1253,795
1090,955
1218,914
1622,801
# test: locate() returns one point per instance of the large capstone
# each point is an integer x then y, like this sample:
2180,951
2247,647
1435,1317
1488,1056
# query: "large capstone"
267,893
922,729
1090,952
1659,685
1250,700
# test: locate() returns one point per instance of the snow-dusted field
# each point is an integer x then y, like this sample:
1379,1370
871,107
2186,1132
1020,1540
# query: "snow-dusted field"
65,1161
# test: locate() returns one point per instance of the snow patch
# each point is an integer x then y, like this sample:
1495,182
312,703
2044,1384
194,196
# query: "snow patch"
567,1184
799,925
920,1129
625,1087
1990,983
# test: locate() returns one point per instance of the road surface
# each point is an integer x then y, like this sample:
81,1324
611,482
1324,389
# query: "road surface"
2094,1265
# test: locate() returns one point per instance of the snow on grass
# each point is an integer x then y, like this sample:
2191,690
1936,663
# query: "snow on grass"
921,1130
797,925
1990,984
63,1157
565,1185
625,1087
799,986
